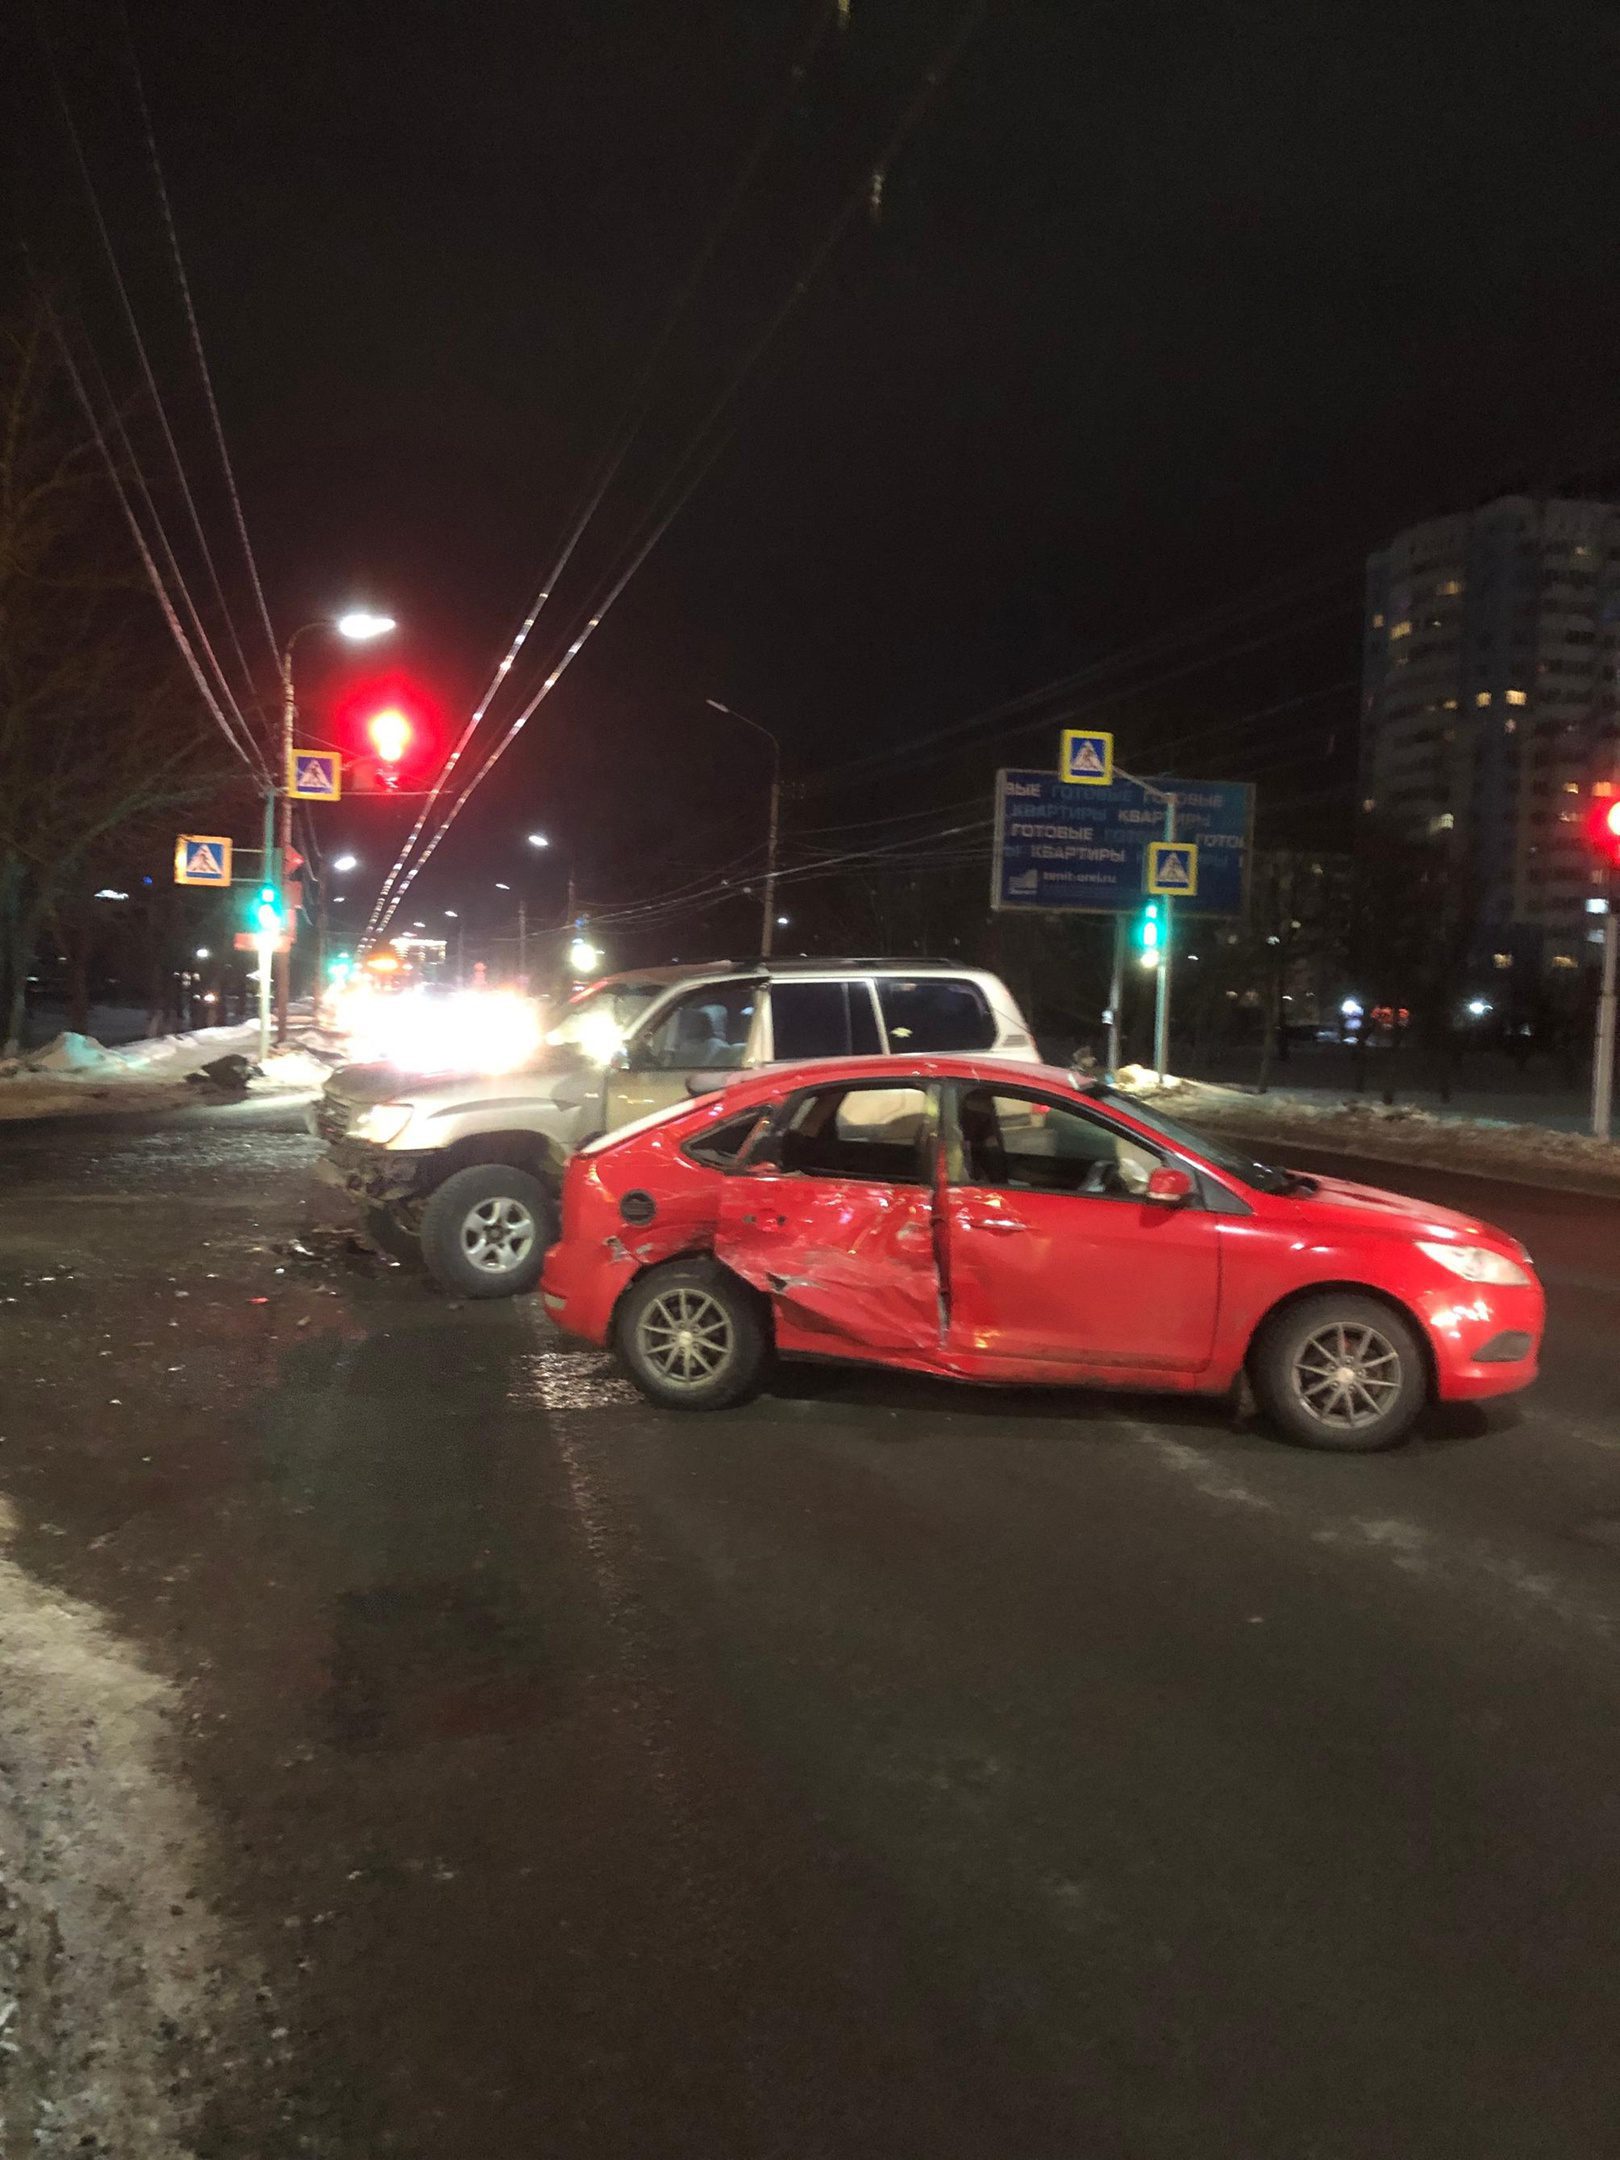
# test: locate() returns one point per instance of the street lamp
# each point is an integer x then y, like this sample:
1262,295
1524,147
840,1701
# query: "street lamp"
768,915
538,839
358,626
347,862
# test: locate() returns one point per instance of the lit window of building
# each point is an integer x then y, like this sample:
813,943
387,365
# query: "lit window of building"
1517,697
1400,629
1482,697
1450,589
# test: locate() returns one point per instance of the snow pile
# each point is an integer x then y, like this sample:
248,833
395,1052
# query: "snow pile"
1399,1133
1143,1080
70,1054
75,1072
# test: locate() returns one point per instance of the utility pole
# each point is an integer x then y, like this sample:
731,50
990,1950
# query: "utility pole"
1116,991
266,953
276,872
523,943
1603,1052
767,926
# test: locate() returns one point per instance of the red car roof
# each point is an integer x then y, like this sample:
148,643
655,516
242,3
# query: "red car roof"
772,1080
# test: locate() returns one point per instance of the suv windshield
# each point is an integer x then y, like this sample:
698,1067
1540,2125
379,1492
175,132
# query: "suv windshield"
1258,1176
598,1022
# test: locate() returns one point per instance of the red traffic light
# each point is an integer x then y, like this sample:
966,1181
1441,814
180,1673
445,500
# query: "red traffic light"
1603,825
391,732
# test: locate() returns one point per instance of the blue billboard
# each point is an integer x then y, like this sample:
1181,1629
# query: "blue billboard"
1084,850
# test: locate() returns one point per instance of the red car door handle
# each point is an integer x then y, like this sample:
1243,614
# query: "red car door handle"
998,1225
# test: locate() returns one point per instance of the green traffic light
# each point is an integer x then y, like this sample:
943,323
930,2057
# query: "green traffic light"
1148,933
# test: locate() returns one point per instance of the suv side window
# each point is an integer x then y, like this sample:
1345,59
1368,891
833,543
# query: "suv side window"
704,1031
851,1132
1024,1143
822,1020
935,1012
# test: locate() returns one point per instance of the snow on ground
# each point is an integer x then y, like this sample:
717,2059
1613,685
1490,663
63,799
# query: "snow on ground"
116,1987
1491,1147
75,1072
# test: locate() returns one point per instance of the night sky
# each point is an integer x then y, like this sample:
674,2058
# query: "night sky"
1165,309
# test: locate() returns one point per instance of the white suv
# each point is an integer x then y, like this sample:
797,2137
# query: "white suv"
467,1167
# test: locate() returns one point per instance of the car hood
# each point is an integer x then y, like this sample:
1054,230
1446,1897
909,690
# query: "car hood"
1397,1213
364,1084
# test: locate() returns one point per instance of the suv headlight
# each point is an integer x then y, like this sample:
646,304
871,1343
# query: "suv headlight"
1476,1263
382,1122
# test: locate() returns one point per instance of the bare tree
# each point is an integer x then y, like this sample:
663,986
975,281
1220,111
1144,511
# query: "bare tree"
98,730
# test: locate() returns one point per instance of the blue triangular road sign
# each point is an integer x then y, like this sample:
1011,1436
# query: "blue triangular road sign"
1171,870
201,861
314,774
1087,758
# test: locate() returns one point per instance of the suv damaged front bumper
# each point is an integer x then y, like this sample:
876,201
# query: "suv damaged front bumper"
373,1173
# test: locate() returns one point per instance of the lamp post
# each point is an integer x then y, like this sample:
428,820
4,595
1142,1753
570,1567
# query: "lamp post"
768,914
358,625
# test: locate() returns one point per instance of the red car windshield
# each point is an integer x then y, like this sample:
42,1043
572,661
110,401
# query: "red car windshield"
1258,1176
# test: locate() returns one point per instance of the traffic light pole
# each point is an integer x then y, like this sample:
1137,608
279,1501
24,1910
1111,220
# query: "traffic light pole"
1603,1049
1161,988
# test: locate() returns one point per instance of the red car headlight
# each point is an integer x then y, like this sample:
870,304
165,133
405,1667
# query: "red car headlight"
1478,1263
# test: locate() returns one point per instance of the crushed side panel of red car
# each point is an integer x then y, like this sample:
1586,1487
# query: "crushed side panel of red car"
848,1264
623,1212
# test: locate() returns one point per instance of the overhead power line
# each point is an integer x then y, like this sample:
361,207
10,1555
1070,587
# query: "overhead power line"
195,332
701,453
244,745
148,376
628,426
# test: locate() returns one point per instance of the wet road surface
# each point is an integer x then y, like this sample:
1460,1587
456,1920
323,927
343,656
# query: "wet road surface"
883,1769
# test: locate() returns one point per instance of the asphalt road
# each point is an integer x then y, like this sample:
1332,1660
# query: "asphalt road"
884,1769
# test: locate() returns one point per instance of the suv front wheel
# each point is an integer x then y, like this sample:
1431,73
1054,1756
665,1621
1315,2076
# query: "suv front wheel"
485,1231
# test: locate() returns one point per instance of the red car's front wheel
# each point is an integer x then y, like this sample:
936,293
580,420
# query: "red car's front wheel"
1342,1372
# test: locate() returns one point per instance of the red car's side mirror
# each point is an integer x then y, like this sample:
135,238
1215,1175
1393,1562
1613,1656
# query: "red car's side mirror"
1168,1188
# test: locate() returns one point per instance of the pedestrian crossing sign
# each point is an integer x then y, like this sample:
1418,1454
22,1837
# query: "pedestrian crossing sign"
202,859
315,775
1088,757
1172,869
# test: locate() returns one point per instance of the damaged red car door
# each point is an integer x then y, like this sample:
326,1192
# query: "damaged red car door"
837,1225
1057,1258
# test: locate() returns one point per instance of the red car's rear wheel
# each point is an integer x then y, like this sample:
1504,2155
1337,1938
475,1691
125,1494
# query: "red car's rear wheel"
691,1336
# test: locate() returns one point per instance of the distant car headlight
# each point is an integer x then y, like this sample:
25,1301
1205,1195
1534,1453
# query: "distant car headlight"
1476,1263
382,1122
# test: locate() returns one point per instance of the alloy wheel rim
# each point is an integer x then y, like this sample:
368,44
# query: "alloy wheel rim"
497,1235
685,1336
1347,1376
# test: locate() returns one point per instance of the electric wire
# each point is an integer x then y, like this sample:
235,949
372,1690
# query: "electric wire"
933,79
93,198
629,425
195,331
247,750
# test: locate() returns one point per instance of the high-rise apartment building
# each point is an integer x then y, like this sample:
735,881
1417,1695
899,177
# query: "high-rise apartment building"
1489,704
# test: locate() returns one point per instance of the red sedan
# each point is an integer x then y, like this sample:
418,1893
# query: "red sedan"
993,1222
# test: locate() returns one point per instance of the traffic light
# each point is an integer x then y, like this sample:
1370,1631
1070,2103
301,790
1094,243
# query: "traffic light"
391,734
1603,823
1148,932
265,912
